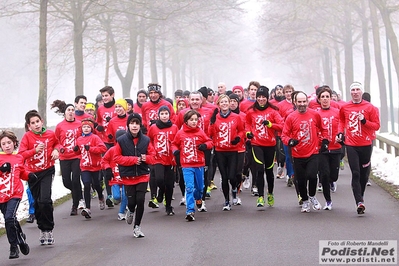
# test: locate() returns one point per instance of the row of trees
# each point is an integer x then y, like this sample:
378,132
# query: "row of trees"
320,38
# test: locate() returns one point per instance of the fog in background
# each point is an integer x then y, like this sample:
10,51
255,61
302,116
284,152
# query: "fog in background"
195,44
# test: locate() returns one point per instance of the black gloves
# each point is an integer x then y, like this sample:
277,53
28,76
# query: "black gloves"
324,145
293,142
250,135
107,118
76,148
100,128
235,140
108,174
152,122
202,147
110,136
62,150
87,147
266,122
32,177
363,121
213,117
6,167
342,137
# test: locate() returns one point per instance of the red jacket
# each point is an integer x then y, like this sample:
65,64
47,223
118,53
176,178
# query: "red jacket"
161,140
203,120
285,108
11,185
187,141
67,133
115,124
306,128
226,130
245,105
150,111
263,135
356,133
137,109
102,114
37,162
107,161
330,123
90,160
314,104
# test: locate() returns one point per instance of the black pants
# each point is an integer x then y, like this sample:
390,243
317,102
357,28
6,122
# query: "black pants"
359,162
106,180
135,200
164,177
153,183
328,171
70,171
249,163
90,179
306,171
13,228
41,192
207,171
264,160
239,169
227,162
280,154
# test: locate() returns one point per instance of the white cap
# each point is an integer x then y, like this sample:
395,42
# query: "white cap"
356,84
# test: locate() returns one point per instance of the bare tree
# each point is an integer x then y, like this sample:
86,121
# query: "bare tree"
42,101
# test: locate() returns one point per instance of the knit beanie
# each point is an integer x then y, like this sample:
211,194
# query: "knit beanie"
122,102
264,91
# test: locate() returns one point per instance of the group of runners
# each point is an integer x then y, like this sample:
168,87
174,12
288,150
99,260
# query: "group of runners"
130,148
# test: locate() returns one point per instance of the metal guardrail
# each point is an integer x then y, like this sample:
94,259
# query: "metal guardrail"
387,145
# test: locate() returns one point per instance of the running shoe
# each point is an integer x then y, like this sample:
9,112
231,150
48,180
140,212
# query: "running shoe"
81,204
238,201
328,206
208,192
212,185
319,187
203,207
101,204
260,202
153,203
198,203
170,211
290,181
305,206
109,201
342,165
137,232
300,201
255,192
86,213
43,237
226,206
361,208
24,247
14,252
333,187
235,201
31,218
183,201
368,183
74,211
129,217
280,172
121,216
315,203
246,184
50,237
270,199
190,217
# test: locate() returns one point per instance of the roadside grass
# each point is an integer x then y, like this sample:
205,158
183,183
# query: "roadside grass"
393,190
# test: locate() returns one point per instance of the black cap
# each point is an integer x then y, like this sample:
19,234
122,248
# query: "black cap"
134,116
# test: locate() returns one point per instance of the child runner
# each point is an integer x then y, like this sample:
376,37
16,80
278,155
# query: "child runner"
38,147
11,189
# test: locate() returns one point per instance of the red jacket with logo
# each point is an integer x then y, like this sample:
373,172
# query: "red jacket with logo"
107,161
150,111
67,134
11,185
90,160
102,114
115,124
187,141
203,120
330,123
356,133
161,140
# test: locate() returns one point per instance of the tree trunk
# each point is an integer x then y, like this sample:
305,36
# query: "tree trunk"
153,56
141,56
107,60
339,70
380,69
78,46
327,67
163,58
42,101
348,52
366,48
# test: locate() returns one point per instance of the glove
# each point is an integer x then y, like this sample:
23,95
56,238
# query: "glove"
62,150
342,137
108,174
76,148
213,117
32,177
363,121
152,122
87,147
6,167
293,142
267,123
110,136
100,128
250,135
235,140
202,147
107,118
324,145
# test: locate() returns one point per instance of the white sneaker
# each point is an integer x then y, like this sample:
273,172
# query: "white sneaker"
368,183
203,207
280,171
226,206
101,204
319,188
183,201
235,200
246,184
328,206
333,187
129,217
238,201
121,216
86,213
81,204
315,203
305,206
43,237
255,191
50,237
137,231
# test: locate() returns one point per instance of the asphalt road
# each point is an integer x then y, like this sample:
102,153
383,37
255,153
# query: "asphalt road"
246,235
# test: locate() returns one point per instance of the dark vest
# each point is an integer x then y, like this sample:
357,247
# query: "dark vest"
130,149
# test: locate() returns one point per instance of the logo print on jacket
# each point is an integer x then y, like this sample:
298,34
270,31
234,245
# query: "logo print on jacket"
42,155
327,124
189,150
162,143
224,136
260,128
304,133
70,137
5,185
354,125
